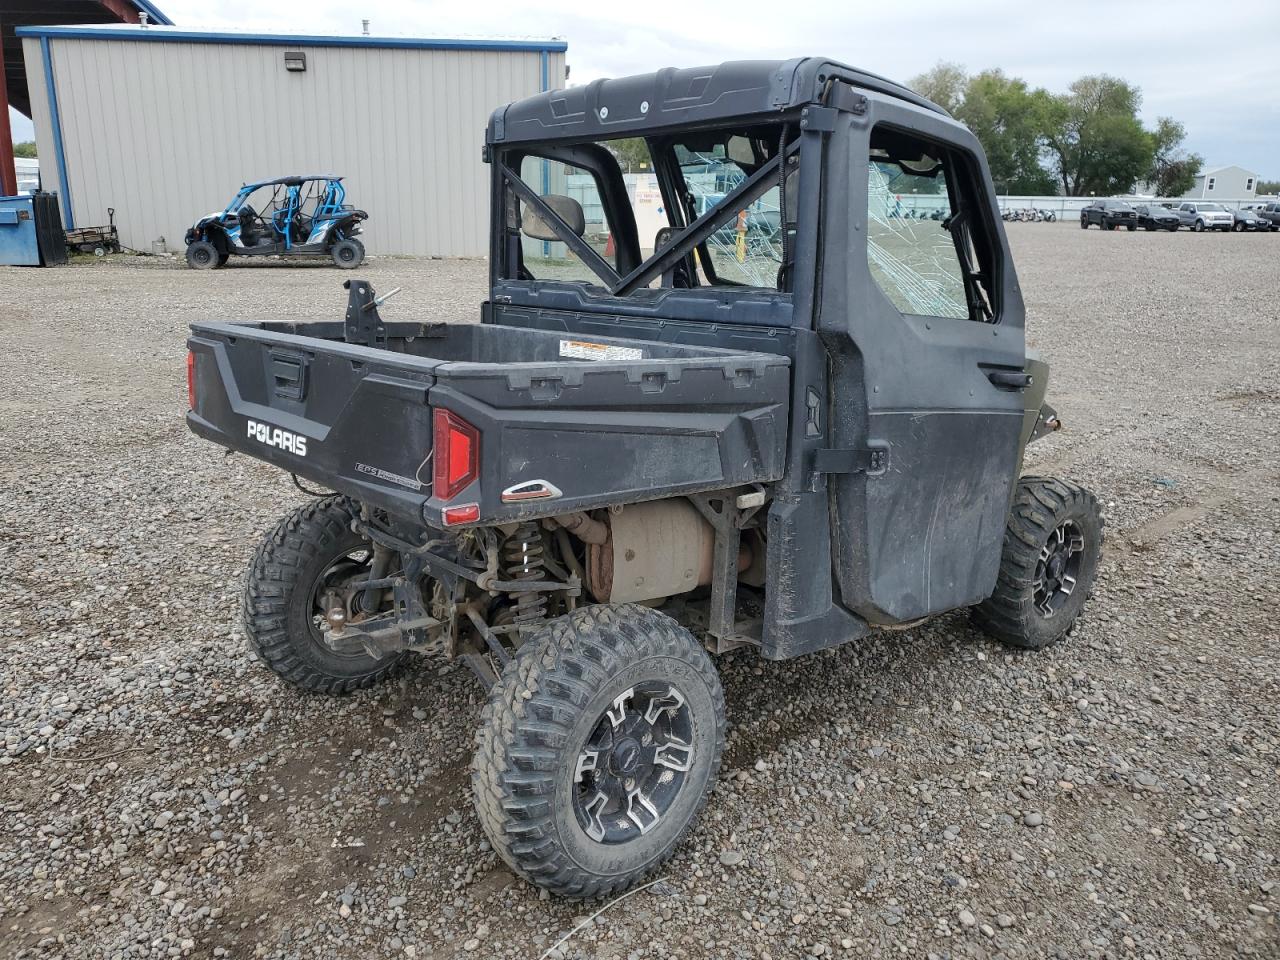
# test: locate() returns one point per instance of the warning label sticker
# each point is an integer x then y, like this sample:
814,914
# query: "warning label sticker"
585,350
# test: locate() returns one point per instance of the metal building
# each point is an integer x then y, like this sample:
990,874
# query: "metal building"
164,124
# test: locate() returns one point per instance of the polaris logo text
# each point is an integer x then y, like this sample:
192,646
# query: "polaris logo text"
275,437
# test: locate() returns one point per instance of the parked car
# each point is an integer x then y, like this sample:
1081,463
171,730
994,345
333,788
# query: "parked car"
1249,219
1109,214
1155,217
1205,216
1270,212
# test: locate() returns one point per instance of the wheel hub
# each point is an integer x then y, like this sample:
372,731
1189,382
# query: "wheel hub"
634,763
1058,568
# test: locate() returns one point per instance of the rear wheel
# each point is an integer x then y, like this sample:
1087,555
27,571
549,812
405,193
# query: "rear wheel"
305,565
597,748
202,255
348,254
1052,547
1131,227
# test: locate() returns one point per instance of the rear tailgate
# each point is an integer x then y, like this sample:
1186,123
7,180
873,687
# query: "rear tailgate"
603,432
348,417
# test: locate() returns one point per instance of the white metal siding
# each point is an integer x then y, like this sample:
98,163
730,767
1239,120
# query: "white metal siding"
166,132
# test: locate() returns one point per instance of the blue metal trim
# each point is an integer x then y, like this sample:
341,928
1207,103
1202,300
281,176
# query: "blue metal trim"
160,34
152,11
59,155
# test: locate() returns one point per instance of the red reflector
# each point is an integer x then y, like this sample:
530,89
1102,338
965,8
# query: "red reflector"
191,379
456,451
467,513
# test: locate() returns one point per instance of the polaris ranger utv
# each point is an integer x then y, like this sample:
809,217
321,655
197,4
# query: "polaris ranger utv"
736,403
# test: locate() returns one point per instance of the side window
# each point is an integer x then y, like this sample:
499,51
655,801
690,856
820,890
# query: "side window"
1248,184
925,267
552,260
1212,181
747,250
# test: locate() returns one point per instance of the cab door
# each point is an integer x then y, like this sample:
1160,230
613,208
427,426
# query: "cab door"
923,323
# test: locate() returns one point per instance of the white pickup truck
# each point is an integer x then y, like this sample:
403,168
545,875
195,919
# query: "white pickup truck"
1205,216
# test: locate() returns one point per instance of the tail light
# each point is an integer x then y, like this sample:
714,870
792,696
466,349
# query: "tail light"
456,451
191,379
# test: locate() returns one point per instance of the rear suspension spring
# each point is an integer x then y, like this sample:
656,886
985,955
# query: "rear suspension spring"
523,555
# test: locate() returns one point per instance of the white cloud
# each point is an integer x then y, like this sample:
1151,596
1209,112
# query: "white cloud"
1211,66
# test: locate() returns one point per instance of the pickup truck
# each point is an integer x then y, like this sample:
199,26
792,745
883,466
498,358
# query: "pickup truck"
782,420
1205,216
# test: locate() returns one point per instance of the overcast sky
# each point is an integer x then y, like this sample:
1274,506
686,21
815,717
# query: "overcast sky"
1215,66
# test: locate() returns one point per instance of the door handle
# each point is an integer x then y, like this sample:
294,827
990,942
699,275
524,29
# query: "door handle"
1010,379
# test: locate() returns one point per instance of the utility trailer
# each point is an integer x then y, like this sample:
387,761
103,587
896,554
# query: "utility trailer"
657,449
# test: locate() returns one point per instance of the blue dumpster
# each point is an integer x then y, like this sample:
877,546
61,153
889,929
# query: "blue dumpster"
31,231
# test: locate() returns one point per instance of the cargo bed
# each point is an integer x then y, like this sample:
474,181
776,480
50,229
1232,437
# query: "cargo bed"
599,422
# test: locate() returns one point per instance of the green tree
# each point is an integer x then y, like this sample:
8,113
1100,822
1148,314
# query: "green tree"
1267,188
944,84
1095,139
25,149
1173,170
632,154
1009,120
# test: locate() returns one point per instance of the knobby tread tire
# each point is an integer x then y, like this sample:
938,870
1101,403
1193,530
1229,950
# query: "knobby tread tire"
1039,506
278,567
526,724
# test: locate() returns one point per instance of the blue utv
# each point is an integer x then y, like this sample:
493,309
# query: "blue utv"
305,216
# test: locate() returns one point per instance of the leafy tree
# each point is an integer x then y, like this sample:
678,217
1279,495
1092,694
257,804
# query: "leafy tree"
26,149
632,154
1267,188
944,84
1173,171
1094,137
1009,121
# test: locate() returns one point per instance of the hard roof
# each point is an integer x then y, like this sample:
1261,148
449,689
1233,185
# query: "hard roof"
171,34
674,97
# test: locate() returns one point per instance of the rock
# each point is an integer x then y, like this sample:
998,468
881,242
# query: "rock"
1033,819
968,919
730,858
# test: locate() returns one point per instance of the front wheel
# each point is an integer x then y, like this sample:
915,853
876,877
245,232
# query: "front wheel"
311,562
1084,223
348,254
597,749
1052,548
1199,227
202,255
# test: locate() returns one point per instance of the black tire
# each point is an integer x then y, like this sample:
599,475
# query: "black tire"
202,255
347,254
1199,226
1238,227
280,600
1084,223
1131,227
533,794
1043,510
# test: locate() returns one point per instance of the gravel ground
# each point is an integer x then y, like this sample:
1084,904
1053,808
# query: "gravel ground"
921,794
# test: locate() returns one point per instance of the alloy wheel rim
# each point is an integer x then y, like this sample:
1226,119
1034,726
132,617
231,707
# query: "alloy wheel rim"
634,763
1058,568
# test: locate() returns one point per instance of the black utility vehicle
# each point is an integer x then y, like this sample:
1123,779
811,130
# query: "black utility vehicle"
1109,214
653,448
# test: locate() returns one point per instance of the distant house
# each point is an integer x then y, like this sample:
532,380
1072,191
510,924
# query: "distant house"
1228,183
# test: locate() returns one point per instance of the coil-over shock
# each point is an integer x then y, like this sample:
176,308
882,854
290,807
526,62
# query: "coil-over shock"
523,555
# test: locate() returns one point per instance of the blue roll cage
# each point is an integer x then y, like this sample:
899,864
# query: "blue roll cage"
330,205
